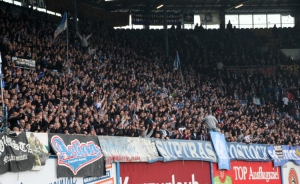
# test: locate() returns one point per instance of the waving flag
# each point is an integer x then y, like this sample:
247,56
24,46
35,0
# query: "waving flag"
62,25
1,82
176,61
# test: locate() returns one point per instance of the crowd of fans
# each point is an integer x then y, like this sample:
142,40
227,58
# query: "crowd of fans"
120,83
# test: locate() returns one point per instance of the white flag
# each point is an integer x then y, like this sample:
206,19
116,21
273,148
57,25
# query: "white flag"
62,25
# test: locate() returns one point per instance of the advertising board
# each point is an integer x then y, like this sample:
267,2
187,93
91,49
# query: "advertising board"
48,176
176,172
291,173
247,173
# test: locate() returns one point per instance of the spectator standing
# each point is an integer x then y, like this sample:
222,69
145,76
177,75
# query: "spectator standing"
84,42
211,123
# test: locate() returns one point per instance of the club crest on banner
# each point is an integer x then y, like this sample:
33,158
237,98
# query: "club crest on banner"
293,177
298,151
76,155
220,146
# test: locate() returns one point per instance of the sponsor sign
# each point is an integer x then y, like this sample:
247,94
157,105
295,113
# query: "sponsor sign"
185,150
38,142
126,149
15,153
48,176
250,152
177,172
290,153
291,173
77,155
24,63
220,146
247,172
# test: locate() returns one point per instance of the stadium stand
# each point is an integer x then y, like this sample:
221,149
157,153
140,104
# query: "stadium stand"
125,86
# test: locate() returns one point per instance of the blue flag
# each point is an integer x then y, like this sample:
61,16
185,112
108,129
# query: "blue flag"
2,85
221,150
176,61
62,25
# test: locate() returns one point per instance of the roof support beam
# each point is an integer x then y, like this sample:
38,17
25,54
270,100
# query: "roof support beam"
204,3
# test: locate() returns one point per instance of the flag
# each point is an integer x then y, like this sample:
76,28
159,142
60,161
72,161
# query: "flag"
176,61
1,82
62,25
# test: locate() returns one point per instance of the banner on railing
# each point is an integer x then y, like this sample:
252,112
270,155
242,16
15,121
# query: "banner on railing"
290,153
24,63
252,152
78,155
48,176
290,173
185,150
38,143
221,150
153,18
290,68
38,3
247,173
264,70
15,153
128,149
177,172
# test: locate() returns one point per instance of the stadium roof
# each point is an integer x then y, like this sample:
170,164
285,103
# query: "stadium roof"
249,6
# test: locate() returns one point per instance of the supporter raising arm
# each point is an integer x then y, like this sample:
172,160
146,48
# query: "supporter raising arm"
84,41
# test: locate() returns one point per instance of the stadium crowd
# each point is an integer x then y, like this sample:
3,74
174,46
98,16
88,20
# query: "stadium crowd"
119,82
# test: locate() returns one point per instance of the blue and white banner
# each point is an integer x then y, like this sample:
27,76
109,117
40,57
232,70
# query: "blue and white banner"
176,61
185,150
61,26
128,149
250,152
1,81
220,146
290,153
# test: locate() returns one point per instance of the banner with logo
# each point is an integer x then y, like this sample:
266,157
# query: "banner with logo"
15,153
152,18
39,145
290,153
78,155
210,18
219,143
290,173
290,68
247,173
188,18
264,70
128,149
185,150
48,176
38,3
24,63
176,172
250,152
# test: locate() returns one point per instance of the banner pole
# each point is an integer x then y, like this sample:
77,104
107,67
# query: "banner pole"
211,172
181,74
